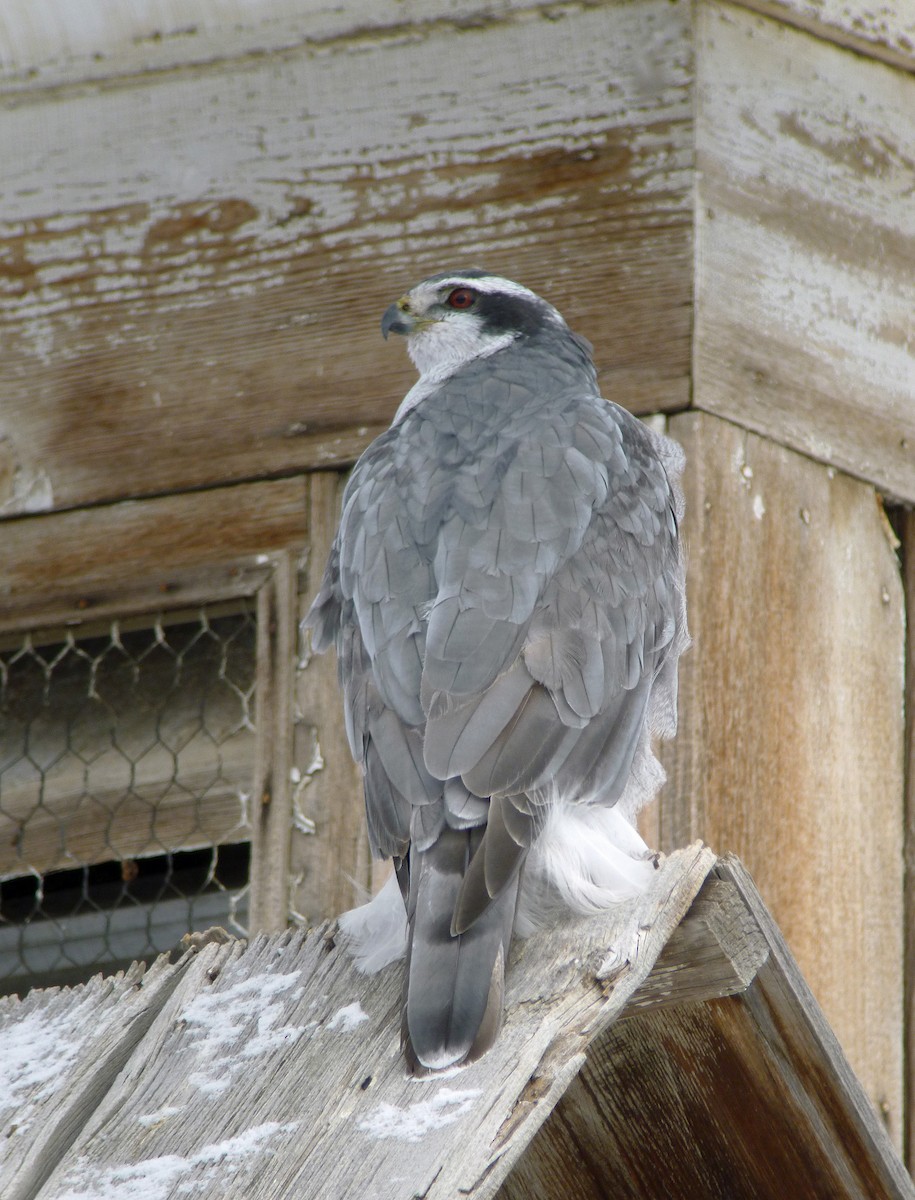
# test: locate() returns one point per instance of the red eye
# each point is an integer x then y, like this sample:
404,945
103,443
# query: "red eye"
462,298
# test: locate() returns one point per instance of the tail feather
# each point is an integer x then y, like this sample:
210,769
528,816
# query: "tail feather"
454,983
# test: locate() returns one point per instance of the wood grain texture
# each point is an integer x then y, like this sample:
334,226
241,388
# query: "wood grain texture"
330,860
907,532
275,1070
789,751
271,815
195,261
744,1098
141,556
62,1051
883,29
272,1069
805,244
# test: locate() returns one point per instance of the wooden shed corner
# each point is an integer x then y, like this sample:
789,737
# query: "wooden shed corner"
667,1049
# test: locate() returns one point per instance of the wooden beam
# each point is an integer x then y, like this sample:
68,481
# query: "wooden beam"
716,950
805,245
330,860
196,260
65,1065
790,751
744,1096
271,816
907,531
747,1096
144,556
884,30
282,1052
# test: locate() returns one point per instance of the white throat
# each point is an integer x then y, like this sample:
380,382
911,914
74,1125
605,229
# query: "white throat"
438,352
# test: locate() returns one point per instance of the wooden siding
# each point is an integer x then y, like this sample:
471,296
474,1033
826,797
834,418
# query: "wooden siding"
141,556
790,751
883,29
194,262
805,245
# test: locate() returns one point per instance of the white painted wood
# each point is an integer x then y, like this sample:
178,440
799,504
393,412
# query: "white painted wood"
881,28
49,42
805,284
277,1071
193,262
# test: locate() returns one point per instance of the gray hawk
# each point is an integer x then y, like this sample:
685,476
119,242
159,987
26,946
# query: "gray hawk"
506,598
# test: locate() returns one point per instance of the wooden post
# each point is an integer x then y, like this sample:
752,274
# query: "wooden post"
790,744
907,532
271,795
330,861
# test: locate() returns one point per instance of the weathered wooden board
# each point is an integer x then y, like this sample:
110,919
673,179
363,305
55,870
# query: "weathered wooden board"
276,1070
328,807
789,751
273,1069
805,252
744,1098
882,29
140,556
195,260
907,532
61,1052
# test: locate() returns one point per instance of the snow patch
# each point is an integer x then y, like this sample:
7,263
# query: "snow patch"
38,1050
346,1019
411,1124
759,508
249,1012
159,1178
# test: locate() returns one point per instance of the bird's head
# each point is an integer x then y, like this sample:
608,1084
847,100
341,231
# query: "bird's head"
454,317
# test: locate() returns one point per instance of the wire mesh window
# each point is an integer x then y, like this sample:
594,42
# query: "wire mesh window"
126,762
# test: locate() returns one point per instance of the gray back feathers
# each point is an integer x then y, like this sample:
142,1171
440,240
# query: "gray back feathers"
505,594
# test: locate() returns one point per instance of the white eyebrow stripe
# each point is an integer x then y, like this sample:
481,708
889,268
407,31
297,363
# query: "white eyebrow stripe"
489,284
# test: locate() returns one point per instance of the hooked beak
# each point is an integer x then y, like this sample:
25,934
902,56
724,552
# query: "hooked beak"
396,319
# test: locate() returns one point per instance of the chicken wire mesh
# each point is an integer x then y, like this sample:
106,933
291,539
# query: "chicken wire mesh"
126,762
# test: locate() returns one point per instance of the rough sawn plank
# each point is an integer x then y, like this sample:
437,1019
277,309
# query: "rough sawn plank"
60,1052
275,1070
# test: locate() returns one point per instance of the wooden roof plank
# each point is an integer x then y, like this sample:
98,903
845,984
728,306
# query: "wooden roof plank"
275,1070
282,1074
62,1049
746,1097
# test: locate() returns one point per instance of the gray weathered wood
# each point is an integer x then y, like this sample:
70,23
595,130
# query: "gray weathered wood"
748,1097
789,751
715,951
805,244
330,861
277,1071
883,29
142,556
273,1070
271,816
196,259
60,1053
907,531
